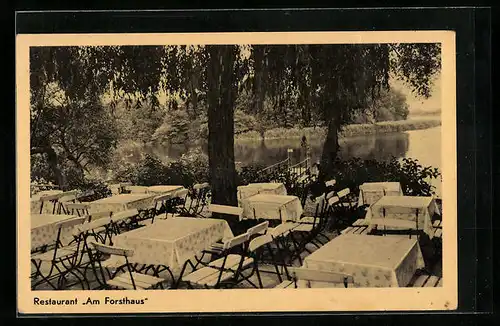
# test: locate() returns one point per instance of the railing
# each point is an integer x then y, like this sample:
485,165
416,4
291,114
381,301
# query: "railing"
275,169
300,169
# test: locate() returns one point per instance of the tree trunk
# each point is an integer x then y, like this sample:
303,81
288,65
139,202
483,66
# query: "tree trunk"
330,149
258,86
221,98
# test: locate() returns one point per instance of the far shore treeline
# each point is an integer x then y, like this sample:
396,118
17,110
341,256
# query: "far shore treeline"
86,102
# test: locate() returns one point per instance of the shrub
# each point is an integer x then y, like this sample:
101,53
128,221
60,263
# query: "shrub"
251,174
254,174
191,168
414,178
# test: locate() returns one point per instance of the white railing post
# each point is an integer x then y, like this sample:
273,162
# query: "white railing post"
290,150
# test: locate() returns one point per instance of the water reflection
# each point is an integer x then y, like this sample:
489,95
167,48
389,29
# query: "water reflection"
424,145
269,151
368,147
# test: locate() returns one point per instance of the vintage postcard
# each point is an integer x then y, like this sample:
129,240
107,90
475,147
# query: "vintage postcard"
236,172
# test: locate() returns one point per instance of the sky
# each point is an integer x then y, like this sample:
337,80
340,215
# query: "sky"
417,103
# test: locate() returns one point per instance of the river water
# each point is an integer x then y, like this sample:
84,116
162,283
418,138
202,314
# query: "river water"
423,145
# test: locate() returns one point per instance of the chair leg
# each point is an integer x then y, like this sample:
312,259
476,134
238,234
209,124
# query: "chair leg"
258,276
275,265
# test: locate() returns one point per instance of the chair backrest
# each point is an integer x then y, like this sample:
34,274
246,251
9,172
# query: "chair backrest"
224,209
330,195
118,216
112,250
99,215
344,192
259,242
236,241
161,198
313,275
78,206
51,197
200,186
71,222
320,200
332,201
279,230
68,196
137,189
260,228
180,193
88,226
330,183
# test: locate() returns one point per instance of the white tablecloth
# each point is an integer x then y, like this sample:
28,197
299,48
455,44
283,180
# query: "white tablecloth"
370,192
163,190
261,188
406,208
122,202
36,202
44,229
172,242
373,261
272,207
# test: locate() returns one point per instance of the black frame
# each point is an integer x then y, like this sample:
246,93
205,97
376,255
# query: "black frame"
474,141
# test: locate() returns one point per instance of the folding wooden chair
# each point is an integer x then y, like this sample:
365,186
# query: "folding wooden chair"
214,276
224,210
125,220
203,193
257,250
330,186
283,249
248,260
80,209
126,280
67,197
302,277
49,199
258,229
175,203
346,199
98,215
82,259
60,258
309,229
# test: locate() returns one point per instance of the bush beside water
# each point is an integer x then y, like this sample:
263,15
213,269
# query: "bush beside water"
193,168
348,131
414,178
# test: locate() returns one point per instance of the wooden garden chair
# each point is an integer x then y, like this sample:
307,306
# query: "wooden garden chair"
214,276
196,202
310,228
248,260
80,209
59,258
126,280
235,212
